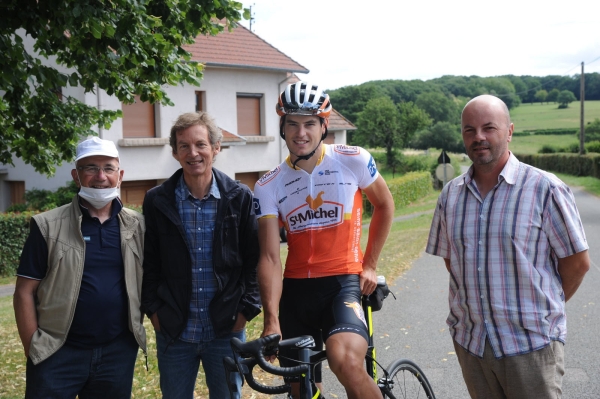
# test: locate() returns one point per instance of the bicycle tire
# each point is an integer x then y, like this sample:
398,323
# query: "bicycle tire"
406,381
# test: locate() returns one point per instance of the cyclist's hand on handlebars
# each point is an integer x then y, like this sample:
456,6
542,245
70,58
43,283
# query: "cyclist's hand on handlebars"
271,329
368,281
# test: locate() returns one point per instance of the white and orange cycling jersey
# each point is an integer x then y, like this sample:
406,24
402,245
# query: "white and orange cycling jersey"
321,211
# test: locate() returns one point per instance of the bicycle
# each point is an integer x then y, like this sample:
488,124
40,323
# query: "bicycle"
401,379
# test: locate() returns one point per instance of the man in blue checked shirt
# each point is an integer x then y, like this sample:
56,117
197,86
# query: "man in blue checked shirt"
514,245
201,251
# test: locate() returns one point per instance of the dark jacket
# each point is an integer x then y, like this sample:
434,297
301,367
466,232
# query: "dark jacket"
167,282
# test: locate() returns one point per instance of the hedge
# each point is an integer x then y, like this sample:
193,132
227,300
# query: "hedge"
14,229
542,132
405,189
571,164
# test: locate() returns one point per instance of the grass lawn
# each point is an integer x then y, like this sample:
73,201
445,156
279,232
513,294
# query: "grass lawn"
532,144
548,116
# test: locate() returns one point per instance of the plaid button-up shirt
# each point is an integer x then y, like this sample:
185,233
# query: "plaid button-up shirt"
198,217
503,251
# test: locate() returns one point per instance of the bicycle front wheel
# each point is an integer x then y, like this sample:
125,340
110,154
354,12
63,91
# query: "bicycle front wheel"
406,381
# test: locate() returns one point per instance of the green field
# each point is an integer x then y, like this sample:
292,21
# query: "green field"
532,144
548,116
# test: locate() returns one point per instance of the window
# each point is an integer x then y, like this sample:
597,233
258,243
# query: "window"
248,178
17,192
138,119
133,192
200,101
248,114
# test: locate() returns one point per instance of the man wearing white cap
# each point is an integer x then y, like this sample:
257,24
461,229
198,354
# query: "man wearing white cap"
77,296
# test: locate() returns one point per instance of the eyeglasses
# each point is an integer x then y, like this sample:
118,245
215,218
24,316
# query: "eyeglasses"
94,170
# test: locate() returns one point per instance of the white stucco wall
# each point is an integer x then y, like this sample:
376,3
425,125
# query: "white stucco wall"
156,162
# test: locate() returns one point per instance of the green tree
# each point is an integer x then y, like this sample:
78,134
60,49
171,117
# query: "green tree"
125,47
442,135
565,97
592,131
385,124
541,95
440,107
553,95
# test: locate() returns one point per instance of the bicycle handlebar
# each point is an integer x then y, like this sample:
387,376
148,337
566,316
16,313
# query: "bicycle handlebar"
255,350
247,365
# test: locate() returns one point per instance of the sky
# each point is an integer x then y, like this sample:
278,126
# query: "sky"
349,42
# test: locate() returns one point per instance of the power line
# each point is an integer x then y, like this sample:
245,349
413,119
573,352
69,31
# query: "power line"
547,82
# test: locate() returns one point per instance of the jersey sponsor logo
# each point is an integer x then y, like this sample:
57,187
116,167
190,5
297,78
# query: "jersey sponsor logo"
327,172
256,203
298,190
267,177
346,149
314,203
292,182
315,214
358,311
283,199
372,167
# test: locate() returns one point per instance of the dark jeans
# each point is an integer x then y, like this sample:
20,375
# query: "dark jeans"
105,372
179,364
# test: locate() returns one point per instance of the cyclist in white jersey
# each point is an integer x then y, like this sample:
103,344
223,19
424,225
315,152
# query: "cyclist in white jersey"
317,194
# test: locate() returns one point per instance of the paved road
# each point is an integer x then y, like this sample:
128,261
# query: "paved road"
414,325
6,290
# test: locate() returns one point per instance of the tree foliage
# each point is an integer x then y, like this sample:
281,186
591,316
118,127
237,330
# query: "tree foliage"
125,47
439,106
565,97
385,124
592,131
442,135
553,95
541,95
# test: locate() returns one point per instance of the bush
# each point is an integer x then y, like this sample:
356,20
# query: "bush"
593,146
44,200
547,149
571,164
562,131
405,189
14,229
571,149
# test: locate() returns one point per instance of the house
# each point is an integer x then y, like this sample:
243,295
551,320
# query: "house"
242,79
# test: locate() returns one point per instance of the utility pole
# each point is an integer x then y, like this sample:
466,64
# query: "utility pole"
581,121
251,17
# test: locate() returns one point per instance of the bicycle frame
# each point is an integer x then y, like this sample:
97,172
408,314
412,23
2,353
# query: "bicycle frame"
250,354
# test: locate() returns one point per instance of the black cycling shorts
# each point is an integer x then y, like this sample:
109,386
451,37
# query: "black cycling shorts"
320,307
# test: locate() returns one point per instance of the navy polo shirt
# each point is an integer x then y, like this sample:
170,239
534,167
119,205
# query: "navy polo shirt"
101,313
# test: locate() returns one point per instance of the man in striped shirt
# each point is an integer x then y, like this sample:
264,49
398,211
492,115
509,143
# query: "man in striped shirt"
514,245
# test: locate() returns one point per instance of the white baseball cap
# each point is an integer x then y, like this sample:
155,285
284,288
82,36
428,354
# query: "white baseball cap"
96,146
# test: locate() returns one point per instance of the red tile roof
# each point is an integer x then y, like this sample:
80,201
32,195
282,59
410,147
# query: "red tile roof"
338,122
241,48
230,139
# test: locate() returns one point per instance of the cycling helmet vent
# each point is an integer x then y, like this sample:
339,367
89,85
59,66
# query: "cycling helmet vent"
303,98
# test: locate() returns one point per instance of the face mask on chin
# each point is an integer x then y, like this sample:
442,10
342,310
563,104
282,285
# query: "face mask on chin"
98,197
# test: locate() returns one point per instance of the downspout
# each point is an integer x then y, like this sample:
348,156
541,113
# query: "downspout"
99,105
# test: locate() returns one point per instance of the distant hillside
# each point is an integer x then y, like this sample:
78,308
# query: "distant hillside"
548,116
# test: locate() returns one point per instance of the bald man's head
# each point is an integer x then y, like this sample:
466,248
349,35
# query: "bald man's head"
491,101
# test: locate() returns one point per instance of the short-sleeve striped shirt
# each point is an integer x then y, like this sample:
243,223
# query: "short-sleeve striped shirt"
503,251
198,217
